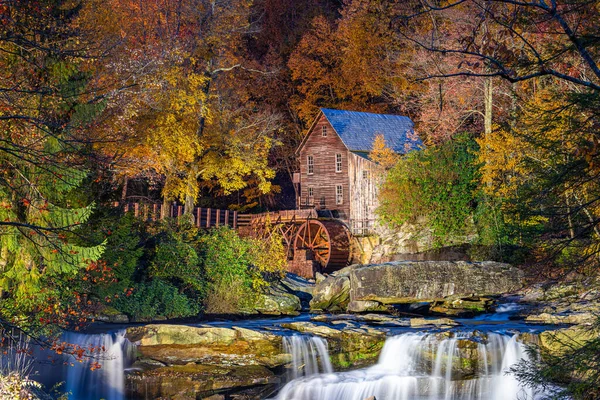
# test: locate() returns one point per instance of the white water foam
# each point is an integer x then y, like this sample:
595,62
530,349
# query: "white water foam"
309,355
108,382
417,366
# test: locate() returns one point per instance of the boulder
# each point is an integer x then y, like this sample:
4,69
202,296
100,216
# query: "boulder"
314,329
439,322
277,301
300,287
164,334
180,344
358,306
568,339
331,294
407,282
457,306
574,318
191,381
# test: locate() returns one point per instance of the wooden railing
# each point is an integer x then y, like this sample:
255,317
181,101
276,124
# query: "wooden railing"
203,217
274,217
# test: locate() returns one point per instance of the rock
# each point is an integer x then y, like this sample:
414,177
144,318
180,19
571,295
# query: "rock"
319,277
407,282
349,346
358,306
309,327
151,335
575,318
110,315
179,344
440,322
300,287
277,301
568,339
331,294
462,306
191,381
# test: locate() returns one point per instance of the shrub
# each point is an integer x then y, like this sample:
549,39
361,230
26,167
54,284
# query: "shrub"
176,258
237,268
157,298
441,186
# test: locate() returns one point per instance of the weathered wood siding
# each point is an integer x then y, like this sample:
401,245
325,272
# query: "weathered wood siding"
325,179
364,188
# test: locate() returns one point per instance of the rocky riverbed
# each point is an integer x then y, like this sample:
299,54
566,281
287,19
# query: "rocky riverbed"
347,320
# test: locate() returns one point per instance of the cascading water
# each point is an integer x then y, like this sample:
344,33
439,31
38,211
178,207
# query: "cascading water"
417,366
112,351
309,355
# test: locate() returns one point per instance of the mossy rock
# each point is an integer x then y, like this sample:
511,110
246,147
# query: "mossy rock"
195,381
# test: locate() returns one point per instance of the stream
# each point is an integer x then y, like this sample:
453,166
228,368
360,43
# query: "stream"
469,362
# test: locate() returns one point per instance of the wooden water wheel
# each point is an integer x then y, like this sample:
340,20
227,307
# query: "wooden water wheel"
328,242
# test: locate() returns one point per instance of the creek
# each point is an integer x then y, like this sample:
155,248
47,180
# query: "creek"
469,362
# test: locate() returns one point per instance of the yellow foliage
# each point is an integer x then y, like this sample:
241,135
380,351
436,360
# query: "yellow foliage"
385,157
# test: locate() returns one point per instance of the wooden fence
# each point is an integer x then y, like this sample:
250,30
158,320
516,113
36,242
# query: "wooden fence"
203,217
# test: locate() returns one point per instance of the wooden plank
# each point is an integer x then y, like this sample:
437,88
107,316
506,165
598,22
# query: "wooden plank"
208,212
198,214
218,218
136,209
227,217
235,218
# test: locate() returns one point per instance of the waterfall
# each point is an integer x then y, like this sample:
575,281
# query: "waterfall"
78,378
428,367
108,382
309,355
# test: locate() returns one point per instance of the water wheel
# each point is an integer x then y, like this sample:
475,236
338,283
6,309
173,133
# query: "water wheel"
328,242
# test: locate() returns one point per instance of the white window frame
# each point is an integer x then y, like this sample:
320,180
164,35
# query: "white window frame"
365,174
338,163
324,131
310,165
311,192
339,194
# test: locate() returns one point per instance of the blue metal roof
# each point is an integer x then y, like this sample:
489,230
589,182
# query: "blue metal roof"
359,129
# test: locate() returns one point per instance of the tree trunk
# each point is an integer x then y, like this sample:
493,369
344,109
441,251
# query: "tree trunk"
194,170
488,98
190,197
124,191
569,218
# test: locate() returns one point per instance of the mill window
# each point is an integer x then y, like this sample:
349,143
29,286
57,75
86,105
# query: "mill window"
338,163
324,131
339,194
311,192
310,162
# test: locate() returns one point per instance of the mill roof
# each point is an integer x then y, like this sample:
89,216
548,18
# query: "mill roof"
359,129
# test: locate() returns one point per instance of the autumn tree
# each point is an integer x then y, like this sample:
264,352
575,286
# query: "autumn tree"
46,106
353,63
181,116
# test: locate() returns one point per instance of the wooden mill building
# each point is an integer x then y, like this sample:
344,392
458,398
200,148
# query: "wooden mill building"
336,176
